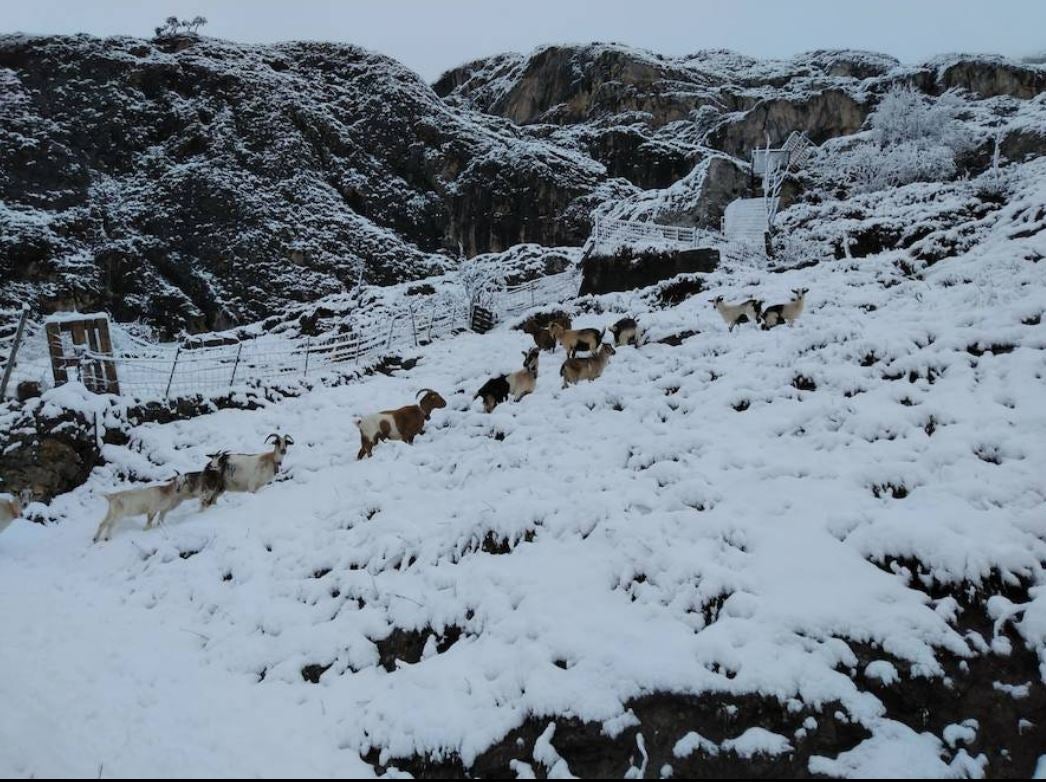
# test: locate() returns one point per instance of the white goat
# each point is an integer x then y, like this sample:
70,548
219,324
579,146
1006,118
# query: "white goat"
154,502
251,471
13,508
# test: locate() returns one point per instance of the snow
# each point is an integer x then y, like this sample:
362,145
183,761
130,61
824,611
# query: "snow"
692,742
883,671
630,504
758,741
965,732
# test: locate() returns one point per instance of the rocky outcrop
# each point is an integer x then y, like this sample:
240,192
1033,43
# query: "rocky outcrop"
698,200
199,184
627,269
1024,143
644,160
202,185
821,116
987,77
571,84
46,449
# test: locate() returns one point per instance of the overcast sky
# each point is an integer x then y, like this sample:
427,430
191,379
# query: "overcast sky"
433,35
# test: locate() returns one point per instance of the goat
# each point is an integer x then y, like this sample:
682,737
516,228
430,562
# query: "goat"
574,340
11,509
543,340
626,332
404,423
159,500
518,384
743,312
155,502
587,368
788,312
209,483
250,471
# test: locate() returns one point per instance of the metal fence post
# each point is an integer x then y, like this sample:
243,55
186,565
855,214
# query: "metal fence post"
392,325
177,353
239,349
14,352
413,325
308,341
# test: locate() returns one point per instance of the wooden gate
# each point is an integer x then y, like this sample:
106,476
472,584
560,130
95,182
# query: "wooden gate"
483,320
83,344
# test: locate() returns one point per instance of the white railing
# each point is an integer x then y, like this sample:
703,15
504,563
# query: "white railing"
609,233
799,149
543,290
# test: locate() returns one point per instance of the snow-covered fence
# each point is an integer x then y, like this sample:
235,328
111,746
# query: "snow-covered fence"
161,370
609,233
543,290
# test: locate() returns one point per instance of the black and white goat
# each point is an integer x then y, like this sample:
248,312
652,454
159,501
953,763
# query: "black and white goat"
250,471
788,312
743,312
626,332
516,384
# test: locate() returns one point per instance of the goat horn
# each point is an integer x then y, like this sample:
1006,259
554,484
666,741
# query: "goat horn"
424,391
289,440
272,436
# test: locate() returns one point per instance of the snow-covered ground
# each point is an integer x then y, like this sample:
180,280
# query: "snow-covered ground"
685,477
715,516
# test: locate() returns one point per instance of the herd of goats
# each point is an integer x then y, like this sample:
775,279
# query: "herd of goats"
238,472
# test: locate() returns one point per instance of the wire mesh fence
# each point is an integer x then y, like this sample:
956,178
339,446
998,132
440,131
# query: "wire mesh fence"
166,370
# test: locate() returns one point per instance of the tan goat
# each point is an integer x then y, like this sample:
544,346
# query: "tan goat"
574,340
587,368
13,508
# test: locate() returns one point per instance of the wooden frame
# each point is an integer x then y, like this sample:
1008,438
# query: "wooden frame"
92,333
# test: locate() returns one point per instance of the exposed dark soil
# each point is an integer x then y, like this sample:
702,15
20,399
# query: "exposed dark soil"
1001,688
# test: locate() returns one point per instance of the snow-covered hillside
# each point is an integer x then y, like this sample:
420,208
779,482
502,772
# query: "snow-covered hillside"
815,549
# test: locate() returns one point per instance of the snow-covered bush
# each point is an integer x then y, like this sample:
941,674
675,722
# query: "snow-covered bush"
904,115
478,282
911,138
871,167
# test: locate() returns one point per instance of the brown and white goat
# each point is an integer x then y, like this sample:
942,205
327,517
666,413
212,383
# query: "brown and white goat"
743,312
586,368
785,313
574,340
517,384
13,508
251,471
404,423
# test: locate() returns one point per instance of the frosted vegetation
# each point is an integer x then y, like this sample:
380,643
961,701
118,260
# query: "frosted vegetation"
911,138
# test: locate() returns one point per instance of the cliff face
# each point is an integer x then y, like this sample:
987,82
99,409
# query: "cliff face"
199,184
